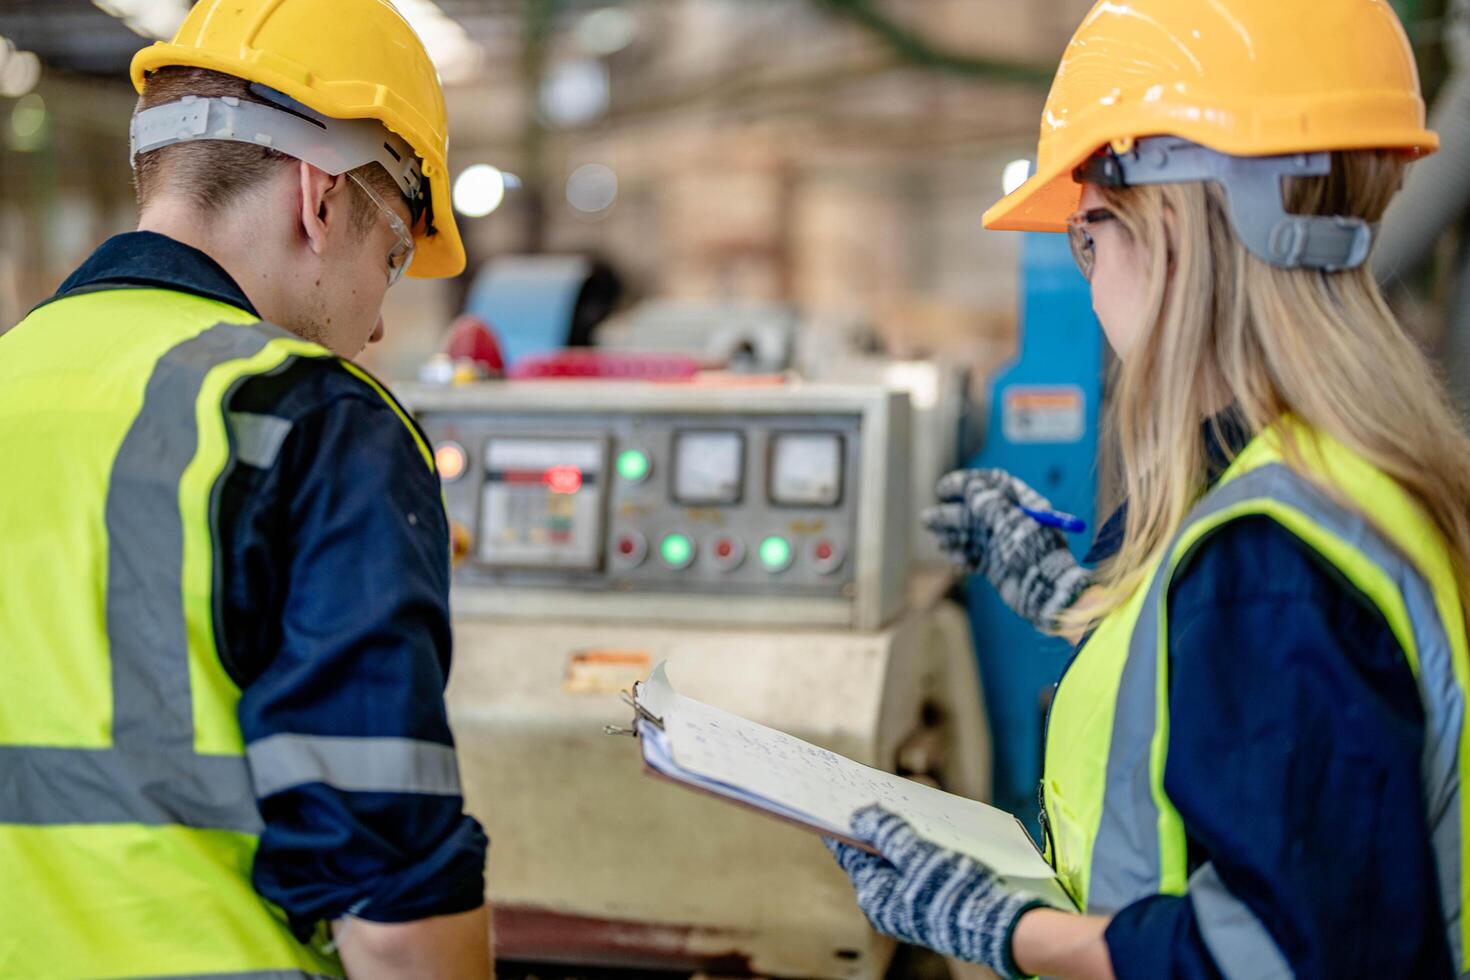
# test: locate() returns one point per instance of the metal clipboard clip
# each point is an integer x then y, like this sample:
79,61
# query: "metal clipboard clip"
640,713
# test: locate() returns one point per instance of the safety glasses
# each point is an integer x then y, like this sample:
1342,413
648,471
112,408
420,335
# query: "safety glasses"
1084,249
402,252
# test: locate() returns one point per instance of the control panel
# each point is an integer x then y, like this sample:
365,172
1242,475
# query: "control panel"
784,504
749,504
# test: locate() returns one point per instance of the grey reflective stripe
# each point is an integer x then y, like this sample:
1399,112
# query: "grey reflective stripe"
361,765
1236,939
152,706
151,774
1126,852
89,786
1125,855
258,438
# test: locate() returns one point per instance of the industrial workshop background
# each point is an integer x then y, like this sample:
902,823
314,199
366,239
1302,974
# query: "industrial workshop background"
830,154
782,189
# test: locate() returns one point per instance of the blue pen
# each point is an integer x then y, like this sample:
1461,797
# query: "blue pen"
1062,522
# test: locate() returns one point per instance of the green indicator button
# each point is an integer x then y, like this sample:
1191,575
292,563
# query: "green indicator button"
633,465
677,551
775,554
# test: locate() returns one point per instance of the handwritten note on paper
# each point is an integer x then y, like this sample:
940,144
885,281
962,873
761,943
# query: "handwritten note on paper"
798,777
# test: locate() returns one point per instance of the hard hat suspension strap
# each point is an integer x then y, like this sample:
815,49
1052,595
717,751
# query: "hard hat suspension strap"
333,145
1253,188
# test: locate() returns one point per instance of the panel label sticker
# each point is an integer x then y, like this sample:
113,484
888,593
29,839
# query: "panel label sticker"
606,671
1052,413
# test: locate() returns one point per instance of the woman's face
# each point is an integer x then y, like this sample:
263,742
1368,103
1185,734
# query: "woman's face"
1119,276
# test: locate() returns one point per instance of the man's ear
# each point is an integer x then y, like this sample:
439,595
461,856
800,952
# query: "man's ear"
321,203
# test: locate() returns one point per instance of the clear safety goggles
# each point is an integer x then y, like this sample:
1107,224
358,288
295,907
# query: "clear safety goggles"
401,254
1084,247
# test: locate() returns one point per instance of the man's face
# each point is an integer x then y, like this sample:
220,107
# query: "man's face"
354,277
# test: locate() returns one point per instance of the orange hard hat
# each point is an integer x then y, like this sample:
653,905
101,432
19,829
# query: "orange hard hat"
1243,77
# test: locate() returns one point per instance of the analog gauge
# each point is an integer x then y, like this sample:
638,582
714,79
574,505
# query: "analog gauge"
709,468
806,469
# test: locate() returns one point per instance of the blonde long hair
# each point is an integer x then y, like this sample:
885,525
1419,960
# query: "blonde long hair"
1222,326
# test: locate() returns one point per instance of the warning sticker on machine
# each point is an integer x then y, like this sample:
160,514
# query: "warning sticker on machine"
1053,413
606,671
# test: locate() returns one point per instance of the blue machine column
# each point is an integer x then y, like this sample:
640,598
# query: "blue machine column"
1043,428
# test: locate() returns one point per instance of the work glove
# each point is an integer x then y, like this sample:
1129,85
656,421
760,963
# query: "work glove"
922,894
982,528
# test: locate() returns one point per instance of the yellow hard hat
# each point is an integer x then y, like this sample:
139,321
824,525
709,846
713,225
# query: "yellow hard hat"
1241,77
347,59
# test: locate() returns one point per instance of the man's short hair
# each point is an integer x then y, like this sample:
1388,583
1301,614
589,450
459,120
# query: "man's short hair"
213,174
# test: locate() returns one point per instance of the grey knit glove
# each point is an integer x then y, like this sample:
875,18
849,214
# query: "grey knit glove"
980,525
922,894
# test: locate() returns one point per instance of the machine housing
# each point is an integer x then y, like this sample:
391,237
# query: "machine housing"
839,640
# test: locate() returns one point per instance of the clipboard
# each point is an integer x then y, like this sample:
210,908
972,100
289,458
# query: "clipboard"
699,747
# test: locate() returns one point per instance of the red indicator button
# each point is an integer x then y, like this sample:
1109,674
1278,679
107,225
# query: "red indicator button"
726,552
826,556
629,549
563,479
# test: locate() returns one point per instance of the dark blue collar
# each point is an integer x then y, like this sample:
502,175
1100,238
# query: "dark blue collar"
146,259
1225,436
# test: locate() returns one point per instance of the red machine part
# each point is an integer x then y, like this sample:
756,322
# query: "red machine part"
580,363
472,339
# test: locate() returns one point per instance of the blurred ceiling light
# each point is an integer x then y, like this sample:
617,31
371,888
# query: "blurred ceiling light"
28,123
606,31
151,18
575,91
1016,173
479,189
19,71
457,57
592,188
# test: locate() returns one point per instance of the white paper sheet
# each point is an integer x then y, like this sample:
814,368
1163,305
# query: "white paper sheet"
754,764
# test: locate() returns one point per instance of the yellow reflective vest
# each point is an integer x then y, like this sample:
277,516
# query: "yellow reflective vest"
1113,834
128,822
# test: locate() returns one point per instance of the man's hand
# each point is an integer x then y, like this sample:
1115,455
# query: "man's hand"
445,947
981,526
922,894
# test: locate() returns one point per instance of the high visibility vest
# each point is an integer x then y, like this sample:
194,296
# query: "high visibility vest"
128,822
1114,837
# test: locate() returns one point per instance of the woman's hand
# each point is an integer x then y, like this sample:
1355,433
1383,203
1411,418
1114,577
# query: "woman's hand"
981,526
923,894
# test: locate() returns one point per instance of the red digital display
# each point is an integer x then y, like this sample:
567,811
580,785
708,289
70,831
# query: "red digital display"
563,479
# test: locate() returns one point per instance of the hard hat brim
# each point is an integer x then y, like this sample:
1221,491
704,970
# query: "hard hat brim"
1042,203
